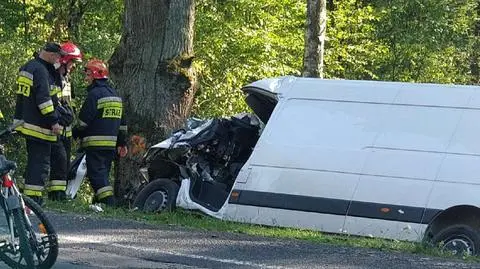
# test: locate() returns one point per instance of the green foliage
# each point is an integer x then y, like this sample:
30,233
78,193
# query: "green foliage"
239,41
101,28
351,50
10,19
256,39
428,40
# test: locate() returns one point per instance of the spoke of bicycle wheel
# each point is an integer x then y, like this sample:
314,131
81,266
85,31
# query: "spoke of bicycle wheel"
20,259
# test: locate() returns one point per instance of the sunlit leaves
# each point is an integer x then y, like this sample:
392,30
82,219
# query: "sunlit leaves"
352,50
240,41
428,40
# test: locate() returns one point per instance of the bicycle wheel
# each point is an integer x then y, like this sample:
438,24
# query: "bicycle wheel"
43,237
22,230
18,254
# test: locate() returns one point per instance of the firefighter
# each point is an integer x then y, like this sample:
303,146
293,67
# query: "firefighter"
61,151
102,129
36,94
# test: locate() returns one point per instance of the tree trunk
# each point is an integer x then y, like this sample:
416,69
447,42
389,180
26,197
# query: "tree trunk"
25,20
475,55
152,69
315,38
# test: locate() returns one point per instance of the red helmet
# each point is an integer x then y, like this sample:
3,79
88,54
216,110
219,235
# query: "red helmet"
73,53
97,68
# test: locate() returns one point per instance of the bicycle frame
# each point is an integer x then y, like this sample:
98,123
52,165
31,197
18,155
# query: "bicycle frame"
11,199
10,195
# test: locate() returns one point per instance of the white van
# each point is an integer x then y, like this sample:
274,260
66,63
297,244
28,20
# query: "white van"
381,159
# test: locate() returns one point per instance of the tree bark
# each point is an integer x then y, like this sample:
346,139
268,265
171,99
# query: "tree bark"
25,19
315,38
475,55
152,69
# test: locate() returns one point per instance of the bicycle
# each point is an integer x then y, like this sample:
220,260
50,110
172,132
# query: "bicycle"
31,241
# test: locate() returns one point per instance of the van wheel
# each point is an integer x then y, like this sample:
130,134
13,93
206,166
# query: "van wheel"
157,196
460,240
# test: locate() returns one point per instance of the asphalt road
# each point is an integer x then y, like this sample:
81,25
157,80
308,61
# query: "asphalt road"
88,242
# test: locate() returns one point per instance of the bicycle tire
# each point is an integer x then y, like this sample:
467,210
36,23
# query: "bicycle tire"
51,234
25,248
49,253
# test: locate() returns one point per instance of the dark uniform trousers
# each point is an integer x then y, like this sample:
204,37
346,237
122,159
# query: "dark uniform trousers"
99,163
102,127
38,166
60,160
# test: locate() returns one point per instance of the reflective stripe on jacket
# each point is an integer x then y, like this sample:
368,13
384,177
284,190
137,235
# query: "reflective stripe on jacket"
101,118
35,100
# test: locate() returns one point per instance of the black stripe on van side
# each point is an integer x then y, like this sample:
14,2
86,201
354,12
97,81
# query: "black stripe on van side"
334,206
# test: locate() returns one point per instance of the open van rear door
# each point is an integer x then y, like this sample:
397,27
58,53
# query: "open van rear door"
262,96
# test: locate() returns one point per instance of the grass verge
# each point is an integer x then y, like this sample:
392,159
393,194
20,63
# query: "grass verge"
195,220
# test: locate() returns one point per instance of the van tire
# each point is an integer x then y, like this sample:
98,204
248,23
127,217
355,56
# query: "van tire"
159,195
459,238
